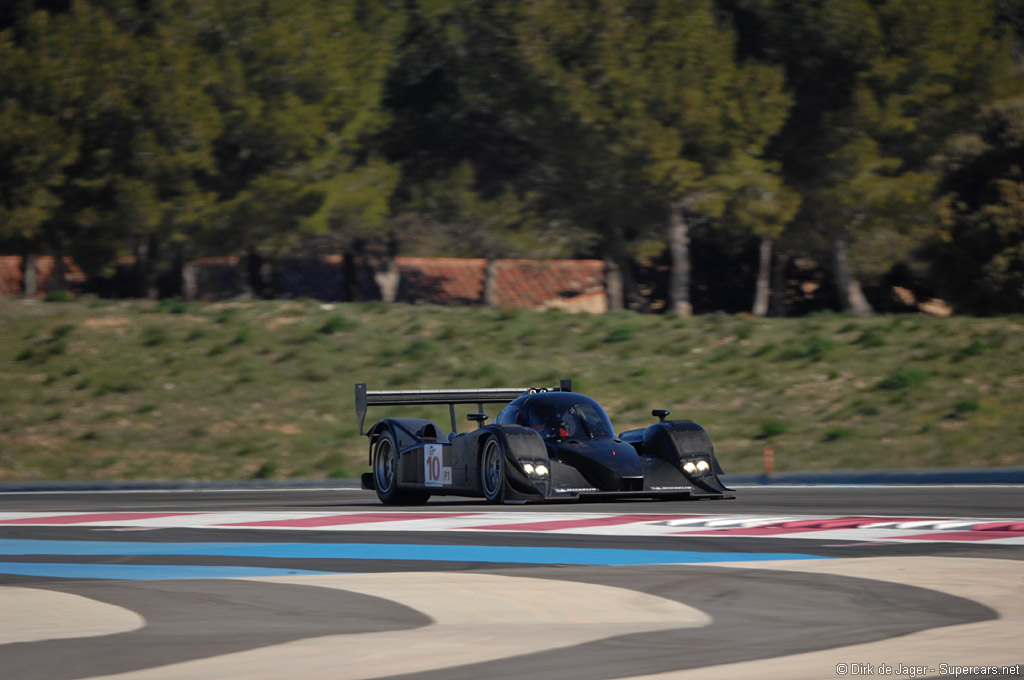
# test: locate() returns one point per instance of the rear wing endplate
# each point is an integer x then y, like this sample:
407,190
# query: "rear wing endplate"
498,395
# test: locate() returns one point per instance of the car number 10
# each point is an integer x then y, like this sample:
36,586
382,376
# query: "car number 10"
434,472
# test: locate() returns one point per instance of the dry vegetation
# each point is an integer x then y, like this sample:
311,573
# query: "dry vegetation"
140,390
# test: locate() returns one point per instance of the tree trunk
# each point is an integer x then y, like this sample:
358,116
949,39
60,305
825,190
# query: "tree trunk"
58,276
29,276
491,283
348,276
255,272
613,287
388,277
850,292
357,274
268,278
763,287
248,273
778,300
190,280
679,252
146,256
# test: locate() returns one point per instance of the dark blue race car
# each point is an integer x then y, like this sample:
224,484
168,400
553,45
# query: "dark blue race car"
545,444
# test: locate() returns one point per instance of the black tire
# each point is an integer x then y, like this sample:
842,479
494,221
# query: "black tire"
385,475
492,470
385,469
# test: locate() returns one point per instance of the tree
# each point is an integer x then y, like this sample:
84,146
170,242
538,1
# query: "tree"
119,109
36,146
469,131
657,85
299,87
878,87
979,257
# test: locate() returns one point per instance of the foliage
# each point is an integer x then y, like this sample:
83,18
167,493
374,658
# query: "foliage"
878,89
171,129
903,378
980,256
672,127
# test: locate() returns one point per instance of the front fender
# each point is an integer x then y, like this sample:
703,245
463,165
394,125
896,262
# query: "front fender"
521,445
680,441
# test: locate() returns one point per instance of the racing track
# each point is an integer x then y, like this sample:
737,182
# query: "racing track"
777,583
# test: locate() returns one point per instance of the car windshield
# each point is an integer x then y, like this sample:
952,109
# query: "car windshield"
556,416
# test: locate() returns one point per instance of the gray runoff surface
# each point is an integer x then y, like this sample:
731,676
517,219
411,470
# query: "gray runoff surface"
773,613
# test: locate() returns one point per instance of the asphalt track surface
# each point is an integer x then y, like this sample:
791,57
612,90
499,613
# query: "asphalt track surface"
776,583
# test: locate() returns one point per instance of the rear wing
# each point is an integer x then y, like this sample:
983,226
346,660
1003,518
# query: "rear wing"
498,395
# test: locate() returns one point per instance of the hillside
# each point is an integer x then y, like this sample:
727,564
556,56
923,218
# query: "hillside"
140,390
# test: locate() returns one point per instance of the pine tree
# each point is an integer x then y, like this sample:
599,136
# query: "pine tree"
673,117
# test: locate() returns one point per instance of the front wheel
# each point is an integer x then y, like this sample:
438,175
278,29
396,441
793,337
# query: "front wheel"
492,470
385,475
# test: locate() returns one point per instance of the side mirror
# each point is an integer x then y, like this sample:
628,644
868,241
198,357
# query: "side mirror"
478,418
661,413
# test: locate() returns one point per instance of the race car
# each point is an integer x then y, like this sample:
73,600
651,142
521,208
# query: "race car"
546,444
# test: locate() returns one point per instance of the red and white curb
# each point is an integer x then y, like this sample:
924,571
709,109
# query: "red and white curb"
840,528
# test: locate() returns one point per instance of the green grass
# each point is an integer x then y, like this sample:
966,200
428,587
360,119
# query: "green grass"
241,390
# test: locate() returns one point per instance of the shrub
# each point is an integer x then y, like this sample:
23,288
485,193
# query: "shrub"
418,348
63,331
869,338
173,306
966,406
151,337
838,433
620,334
266,471
812,348
771,428
336,324
975,349
58,296
903,378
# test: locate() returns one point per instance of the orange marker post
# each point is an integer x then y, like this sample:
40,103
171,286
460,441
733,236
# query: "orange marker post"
769,460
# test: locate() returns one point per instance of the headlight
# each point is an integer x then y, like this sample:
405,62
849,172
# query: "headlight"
689,467
703,466
528,468
542,470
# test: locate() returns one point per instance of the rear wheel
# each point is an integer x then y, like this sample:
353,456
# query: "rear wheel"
385,475
492,470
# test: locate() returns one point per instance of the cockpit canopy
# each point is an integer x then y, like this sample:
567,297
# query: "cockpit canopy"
558,415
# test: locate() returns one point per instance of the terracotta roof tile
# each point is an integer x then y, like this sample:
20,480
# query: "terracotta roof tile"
441,280
532,284
10,275
574,285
